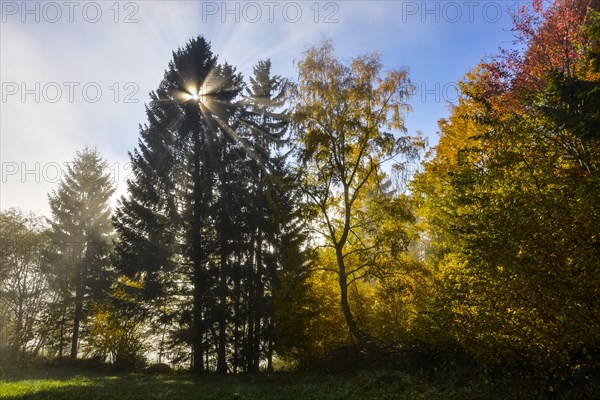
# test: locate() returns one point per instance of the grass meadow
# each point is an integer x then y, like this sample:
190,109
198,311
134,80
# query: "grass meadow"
54,384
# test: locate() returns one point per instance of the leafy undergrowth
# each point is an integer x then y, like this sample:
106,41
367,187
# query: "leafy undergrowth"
71,385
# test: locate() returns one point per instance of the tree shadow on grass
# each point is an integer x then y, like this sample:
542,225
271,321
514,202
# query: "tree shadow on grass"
134,387
212,387
58,374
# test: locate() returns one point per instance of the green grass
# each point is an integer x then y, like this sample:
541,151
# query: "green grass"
72,385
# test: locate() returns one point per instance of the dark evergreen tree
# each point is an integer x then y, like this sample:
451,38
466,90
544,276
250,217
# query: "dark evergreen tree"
167,225
266,121
202,224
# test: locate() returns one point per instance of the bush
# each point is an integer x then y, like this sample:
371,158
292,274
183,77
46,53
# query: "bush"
159,369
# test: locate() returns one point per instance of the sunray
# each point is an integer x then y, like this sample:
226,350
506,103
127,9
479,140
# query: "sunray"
264,131
206,96
158,102
176,122
183,96
247,148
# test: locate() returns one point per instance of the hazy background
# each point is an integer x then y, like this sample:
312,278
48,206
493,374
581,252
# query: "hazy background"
78,73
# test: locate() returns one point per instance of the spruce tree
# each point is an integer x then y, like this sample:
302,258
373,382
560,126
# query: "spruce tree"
81,229
267,121
168,225
203,218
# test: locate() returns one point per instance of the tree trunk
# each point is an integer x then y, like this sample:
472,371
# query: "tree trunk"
222,339
75,332
257,304
222,345
270,348
79,287
355,331
237,308
197,256
197,348
250,303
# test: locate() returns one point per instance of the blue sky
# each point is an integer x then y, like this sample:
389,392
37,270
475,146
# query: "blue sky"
78,73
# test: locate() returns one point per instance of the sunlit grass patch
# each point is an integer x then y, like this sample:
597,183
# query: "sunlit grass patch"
14,389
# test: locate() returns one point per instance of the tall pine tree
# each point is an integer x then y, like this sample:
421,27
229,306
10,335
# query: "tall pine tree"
267,121
173,221
81,229
203,220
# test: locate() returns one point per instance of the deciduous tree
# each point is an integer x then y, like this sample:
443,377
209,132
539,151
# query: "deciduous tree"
349,124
